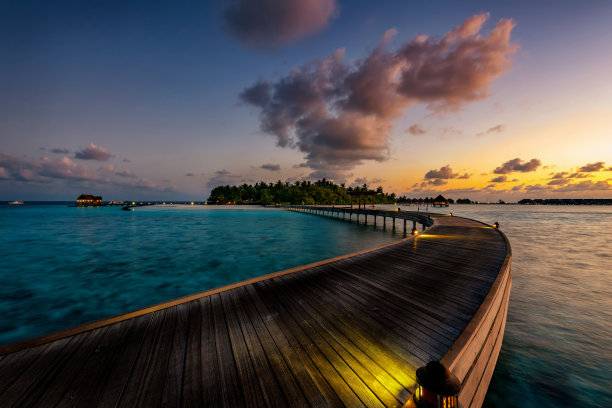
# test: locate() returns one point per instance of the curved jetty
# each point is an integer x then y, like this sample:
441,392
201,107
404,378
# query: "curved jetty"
350,331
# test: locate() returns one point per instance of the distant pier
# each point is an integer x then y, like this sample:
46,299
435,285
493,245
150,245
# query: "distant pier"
345,332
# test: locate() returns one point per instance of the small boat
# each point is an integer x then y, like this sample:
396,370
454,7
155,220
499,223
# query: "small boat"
16,202
127,208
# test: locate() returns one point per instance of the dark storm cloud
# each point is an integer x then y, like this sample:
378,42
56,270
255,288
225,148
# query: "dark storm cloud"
271,167
340,114
518,165
93,152
270,23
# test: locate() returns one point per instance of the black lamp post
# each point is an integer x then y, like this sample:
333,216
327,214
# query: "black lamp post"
438,388
496,225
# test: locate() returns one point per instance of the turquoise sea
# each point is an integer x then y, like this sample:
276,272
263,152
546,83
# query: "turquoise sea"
62,266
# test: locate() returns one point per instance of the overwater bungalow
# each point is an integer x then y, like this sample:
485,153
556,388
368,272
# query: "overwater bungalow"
440,201
88,200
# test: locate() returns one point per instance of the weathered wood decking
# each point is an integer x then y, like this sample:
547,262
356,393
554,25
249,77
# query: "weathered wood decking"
346,332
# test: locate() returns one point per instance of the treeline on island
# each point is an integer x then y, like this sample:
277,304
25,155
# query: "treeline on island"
309,193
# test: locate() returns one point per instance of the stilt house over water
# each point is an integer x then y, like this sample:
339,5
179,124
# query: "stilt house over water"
440,201
86,200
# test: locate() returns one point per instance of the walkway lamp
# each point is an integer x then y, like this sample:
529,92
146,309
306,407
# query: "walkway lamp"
438,388
496,225
415,231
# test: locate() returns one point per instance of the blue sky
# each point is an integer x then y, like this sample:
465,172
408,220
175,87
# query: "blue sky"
157,85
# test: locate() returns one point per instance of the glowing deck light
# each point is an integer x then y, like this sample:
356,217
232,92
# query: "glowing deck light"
415,231
496,225
438,388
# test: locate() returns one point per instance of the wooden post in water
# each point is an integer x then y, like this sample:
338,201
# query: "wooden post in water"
366,219
384,222
404,226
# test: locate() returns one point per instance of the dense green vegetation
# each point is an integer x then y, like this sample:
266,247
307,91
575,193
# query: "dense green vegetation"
309,193
301,192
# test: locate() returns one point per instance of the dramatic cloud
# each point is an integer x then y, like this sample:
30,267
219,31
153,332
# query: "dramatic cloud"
445,172
340,114
437,182
93,152
500,179
271,167
416,130
586,185
60,151
45,170
592,167
270,23
559,175
494,129
518,165
558,182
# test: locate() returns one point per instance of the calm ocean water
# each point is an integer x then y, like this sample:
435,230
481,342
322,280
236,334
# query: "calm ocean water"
65,266
62,266
557,349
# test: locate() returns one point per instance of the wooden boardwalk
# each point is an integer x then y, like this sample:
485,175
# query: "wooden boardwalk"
344,332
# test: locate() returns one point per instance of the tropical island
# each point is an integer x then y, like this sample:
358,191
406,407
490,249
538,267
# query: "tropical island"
311,193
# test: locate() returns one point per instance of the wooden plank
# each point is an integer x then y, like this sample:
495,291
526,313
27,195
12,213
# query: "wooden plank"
247,376
318,356
231,392
270,385
268,341
314,387
113,364
211,377
173,384
143,386
382,384
14,364
192,371
52,391
50,363
337,360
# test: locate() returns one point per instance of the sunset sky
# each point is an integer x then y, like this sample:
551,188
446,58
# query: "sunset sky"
164,100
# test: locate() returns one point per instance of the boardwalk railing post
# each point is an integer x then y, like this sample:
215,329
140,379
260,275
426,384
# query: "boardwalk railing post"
405,225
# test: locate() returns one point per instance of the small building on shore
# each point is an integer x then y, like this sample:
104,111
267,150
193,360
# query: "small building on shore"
88,200
440,201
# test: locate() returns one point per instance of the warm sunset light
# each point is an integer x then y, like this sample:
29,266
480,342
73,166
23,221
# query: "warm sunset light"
306,203
489,101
